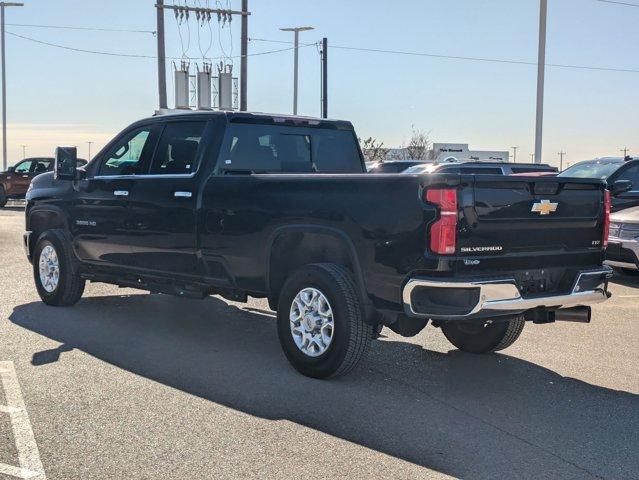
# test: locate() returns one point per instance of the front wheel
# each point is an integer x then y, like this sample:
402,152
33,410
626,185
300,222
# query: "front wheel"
320,321
483,336
56,280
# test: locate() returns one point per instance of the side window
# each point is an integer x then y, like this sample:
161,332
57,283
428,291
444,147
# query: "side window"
177,149
632,174
268,148
42,165
250,148
335,151
23,167
127,156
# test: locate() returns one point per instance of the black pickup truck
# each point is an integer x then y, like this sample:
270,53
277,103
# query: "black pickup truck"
239,204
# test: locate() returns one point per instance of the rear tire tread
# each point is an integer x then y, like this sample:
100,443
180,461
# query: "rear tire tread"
515,327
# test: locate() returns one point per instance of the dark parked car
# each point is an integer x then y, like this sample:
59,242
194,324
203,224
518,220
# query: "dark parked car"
485,168
611,169
395,166
241,204
15,181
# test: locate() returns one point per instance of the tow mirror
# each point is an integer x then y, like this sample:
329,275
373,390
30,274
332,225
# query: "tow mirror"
66,163
621,186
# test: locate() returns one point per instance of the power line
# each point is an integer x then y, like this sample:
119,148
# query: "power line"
619,3
135,55
485,59
93,29
456,57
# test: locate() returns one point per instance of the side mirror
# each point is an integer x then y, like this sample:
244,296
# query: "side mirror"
620,186
11,169
66,161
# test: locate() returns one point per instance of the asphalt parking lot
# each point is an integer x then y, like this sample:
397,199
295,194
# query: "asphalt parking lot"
131,385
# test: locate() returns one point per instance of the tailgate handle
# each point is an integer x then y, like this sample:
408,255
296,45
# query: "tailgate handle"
546,188
121,193
183,194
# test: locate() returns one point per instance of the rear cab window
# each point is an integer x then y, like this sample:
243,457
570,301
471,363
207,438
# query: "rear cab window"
261,148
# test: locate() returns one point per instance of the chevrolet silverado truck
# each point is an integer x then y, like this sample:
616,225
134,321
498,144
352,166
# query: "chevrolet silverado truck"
276,207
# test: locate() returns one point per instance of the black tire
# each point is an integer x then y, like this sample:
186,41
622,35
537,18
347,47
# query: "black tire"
3,197
351,336
483,337
70,286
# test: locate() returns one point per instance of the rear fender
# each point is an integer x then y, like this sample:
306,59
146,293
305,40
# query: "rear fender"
293,246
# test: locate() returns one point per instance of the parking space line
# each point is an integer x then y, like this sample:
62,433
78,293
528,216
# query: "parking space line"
28,455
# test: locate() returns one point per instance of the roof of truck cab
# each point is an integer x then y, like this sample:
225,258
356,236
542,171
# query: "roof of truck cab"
256,117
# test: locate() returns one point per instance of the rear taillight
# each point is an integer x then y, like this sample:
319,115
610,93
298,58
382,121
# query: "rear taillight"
606,225
443,232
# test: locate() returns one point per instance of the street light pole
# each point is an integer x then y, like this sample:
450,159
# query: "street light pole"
541,64
296,31
4,82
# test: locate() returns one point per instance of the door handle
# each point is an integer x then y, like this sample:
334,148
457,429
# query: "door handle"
25,176
183,194
121,193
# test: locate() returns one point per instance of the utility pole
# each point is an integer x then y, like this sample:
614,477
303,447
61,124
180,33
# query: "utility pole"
514,154
4,82
161,7
541,64
561,160
89,157
324,77
161,54
244,57
625,151
296,31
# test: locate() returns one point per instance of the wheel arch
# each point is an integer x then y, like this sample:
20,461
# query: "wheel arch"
293,246
42,218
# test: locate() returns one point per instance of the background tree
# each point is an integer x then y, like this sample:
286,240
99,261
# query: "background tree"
418,145
373,149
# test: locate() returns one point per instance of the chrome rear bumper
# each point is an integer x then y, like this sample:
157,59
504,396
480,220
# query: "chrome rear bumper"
502,297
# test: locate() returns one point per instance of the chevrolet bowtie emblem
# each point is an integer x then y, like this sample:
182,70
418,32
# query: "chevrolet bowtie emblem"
544,207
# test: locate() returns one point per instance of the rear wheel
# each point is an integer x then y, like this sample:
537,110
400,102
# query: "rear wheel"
320,321
483,337
3,197
57,281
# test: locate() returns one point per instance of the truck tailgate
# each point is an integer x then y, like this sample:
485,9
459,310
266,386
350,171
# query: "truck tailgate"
539,231
501,216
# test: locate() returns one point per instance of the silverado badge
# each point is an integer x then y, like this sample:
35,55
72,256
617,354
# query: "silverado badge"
544,207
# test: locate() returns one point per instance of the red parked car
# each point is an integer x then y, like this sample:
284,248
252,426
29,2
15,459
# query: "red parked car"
15,181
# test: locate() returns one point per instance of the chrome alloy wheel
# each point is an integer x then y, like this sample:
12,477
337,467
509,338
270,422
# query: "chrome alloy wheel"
311,319
49,267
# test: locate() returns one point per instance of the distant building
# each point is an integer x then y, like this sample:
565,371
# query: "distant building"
459,152
451,152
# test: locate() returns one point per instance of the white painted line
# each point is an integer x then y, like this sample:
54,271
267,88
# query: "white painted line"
17,471
28,455
626,296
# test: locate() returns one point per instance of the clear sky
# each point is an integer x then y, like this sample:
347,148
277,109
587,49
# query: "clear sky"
57,96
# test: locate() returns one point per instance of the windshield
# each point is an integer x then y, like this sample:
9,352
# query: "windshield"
596,169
